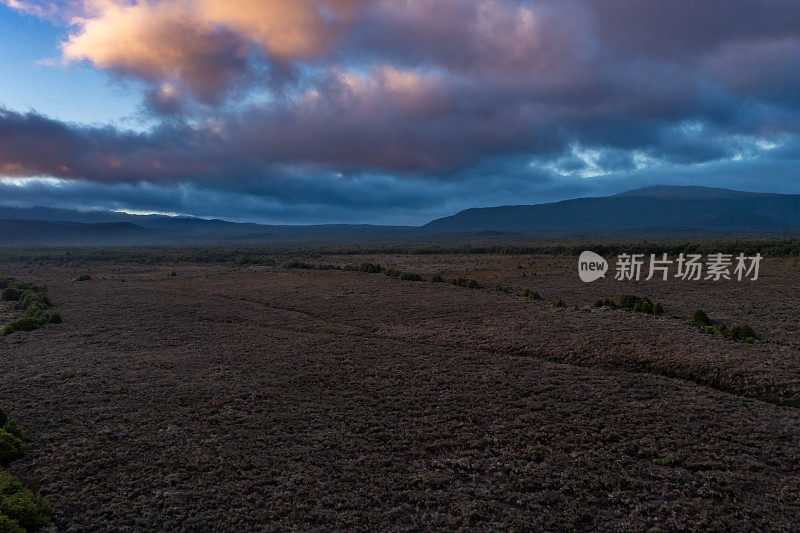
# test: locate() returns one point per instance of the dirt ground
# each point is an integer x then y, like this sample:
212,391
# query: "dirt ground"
239,398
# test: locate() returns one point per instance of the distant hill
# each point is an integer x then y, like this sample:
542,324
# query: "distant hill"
653,210
49,233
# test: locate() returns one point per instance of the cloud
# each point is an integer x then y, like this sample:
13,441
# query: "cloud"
202,46
248,94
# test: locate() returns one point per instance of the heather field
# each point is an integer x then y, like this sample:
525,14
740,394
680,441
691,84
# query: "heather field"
181,394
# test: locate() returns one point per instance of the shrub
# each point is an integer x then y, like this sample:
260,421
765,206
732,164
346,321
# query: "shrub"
9,526
437,279
173,274
34,297
84,277
370,268
560,303
608,302
19,507
638,305
299,265
465,282
700,318
527,293
10,294
501,288
10,447
26,324
6,282
741,332
11,427
35,302
406,276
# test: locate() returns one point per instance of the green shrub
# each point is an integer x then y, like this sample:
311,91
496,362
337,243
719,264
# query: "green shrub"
26,324
700,318
527,293
608,302
466,282
8,329
10,426
84,277
10,294
53,317
406,276
637,305
10,447
560,303
437,279
6,282
628,301
34,296
9,526
21,507
741,332
299,265
500,288
370,268
9,484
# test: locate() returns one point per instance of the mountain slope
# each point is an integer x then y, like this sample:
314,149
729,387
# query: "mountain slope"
655,209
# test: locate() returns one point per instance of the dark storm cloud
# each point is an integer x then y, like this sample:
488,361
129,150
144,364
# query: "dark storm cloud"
371,101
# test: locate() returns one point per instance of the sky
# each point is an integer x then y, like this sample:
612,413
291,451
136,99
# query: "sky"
390,111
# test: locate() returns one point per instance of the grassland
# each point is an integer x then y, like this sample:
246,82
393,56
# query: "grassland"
239,394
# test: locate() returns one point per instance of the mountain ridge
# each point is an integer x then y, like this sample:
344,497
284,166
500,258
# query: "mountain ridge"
657,210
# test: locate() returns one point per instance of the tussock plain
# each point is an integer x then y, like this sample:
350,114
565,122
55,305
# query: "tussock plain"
258,397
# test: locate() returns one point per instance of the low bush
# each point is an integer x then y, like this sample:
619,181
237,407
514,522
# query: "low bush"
608,302
10,447
700,318
308,266
34,301
466,282
437,279
28,511
500,288
407,276
26,324
20,509
392,273
737,332
370,268
527,293
10,294
741,332
84,277
640,305
299,265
